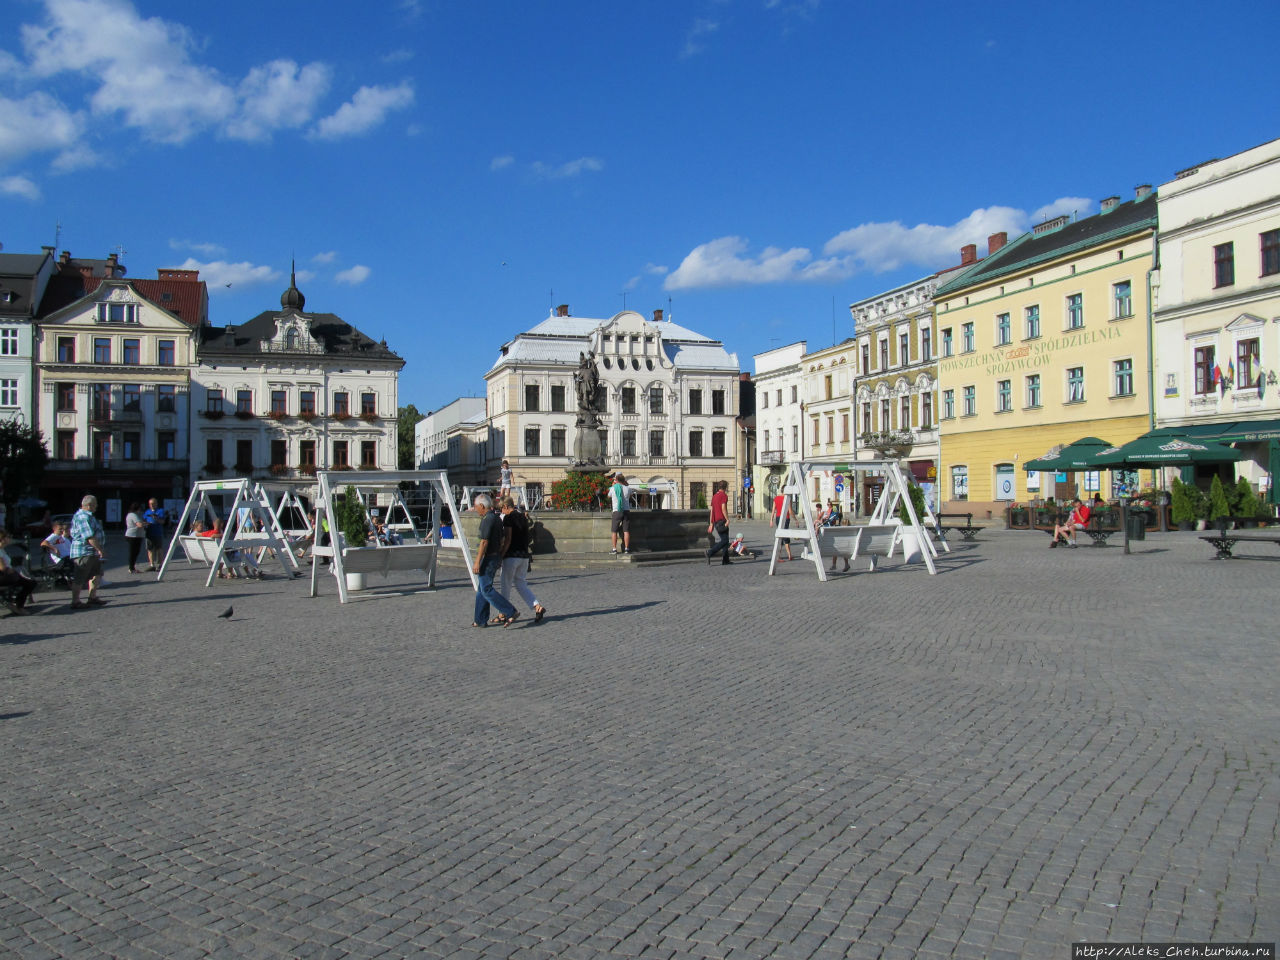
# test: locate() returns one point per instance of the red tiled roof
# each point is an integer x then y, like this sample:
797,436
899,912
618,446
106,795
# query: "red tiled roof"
187,299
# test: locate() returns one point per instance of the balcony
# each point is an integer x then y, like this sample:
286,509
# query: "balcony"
769,458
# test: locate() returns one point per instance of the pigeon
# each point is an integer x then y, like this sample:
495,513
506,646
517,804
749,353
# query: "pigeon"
226,614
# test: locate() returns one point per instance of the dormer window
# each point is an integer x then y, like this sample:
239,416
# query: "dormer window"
117,313
291,339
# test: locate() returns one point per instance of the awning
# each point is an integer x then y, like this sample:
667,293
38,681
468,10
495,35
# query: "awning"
1071,458
1231,431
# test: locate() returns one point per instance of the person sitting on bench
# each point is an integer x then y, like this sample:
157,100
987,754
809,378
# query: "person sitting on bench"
57,546
1077,521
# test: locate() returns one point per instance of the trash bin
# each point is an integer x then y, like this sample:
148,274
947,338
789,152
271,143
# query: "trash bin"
1136,521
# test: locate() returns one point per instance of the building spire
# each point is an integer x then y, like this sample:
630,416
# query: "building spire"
292,299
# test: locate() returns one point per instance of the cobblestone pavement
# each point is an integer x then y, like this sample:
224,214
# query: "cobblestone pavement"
1032,748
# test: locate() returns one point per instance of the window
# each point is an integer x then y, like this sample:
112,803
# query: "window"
244,456
1205,358
213,454
307,403
369,454
1032,316
102,447
279,402
1247,371
66,349
1075,384
1004,331
628,399
131,446
884,354
948,404
1224,264
66,444
66,396
826,387
1075,311
795,439
1122,299
340,457
368,405
132,351
655,443
866,358
117,313
926,411
342,404
1122,377
904,348
1004,396
966,333
306,453
8,343
532,442
558,442
904,413
167,445
557,398
279,453
165,353
628,443
101,349
8,393
970,401
959,483
717,402
844,428
831,428
885,423
655,401
717,443
795,394
531,396
813,432
926,344
698,495
1270,252
695,401
101,402
131,397
1033,390
946,342
695,443
213,402
764,400
244,401
866,419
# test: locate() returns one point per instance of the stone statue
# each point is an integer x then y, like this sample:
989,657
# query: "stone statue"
587,450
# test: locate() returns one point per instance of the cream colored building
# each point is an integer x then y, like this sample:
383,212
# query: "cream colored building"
671,398
1219,305
779,420
828,417
1042,343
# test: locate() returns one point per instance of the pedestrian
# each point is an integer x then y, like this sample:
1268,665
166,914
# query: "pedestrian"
620,522
156,519
135,534
720,521
779,505
505,479
517,557
88,550
487,563
10,577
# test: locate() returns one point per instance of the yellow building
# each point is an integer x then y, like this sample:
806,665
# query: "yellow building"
1042,343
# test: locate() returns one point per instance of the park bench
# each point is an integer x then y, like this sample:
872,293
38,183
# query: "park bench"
198,549
966,530
1096,531
1225,539
383,560
848,543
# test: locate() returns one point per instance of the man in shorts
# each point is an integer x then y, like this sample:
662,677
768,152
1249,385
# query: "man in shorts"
621,520
88,549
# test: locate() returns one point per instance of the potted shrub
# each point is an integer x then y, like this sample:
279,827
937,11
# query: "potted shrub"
911,545
350,518
1182,512
1244,503
1219,506
1199,504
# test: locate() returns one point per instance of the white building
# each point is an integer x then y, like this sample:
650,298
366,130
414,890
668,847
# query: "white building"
288,393
671,396
779,419
431,433
1217,320
23,279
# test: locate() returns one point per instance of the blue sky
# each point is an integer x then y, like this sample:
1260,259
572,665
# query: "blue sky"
445,173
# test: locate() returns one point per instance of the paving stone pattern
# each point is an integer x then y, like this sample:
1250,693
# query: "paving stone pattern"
1032,748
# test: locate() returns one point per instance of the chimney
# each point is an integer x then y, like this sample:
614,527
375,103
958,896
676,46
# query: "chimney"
1109,204
657,316
65,258
1142,191
1050,225
996,241
562,310
968,254
112,264
175,273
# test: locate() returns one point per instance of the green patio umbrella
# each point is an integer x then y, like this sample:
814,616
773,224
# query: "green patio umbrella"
1165,451
1079,455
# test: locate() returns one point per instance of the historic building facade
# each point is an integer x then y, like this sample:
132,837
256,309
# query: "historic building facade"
23,279
289,393
671,398
1042,343
827,395
779,378
1217,321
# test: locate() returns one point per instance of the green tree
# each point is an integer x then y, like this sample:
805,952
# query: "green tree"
22,460
407,417
917,501
1218,505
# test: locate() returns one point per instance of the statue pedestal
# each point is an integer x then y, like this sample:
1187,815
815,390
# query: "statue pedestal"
588,455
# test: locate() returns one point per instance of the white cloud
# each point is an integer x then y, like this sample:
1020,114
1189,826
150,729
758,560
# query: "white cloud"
219,274
78,156
655,269
1079,206
879,247
354,276
571,169
207,249
304,276
502,162
17,186
278,96
398,56
366,110
36,123
327,256
721,263
693,40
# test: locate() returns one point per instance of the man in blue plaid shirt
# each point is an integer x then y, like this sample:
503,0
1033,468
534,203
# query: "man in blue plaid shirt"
88,550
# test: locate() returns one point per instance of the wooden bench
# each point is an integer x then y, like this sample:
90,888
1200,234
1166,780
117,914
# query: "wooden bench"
383,560
848,543
967,530
198,549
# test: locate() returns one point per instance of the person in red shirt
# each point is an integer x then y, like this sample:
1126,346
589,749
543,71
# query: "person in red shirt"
1079,520
779,502
720,521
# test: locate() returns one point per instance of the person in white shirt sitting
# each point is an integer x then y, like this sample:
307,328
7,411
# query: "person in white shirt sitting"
57,547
